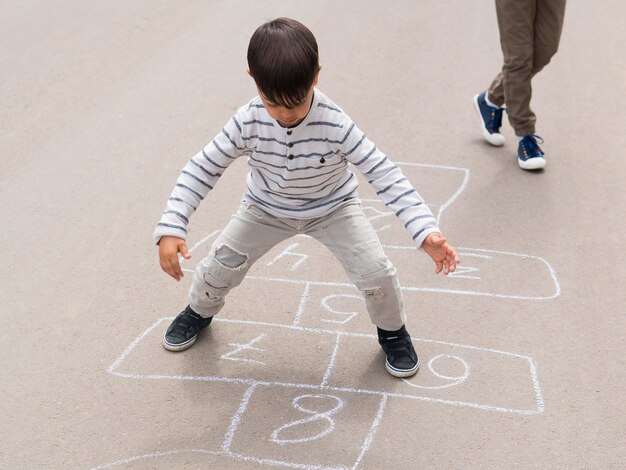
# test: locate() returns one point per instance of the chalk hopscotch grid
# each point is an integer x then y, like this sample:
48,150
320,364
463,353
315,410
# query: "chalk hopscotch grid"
253,384
463,252
230,434
323,386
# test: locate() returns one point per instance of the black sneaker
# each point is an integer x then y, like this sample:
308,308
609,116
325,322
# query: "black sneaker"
183,331
402,360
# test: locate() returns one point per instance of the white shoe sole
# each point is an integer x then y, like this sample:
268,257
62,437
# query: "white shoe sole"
402,373
535,163
495,139
178,347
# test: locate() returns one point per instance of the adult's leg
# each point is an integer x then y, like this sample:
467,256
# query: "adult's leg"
548,28
248,235
513,85
349,235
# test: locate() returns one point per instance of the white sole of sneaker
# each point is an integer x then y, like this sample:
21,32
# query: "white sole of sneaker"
536,163
497,139
178,347
402,373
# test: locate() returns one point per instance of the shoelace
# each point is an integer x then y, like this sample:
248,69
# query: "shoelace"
496,119
530,144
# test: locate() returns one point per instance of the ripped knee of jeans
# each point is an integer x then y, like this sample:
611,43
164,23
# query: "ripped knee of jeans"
222,271
230,257
374,293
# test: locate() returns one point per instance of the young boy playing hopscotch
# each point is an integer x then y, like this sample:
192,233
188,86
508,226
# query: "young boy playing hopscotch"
300,147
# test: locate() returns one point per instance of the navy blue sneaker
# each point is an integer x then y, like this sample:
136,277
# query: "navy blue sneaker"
490,119
529,155
401,358
183,331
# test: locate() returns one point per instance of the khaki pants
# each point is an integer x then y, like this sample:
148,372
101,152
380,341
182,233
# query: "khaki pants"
530,31
346,232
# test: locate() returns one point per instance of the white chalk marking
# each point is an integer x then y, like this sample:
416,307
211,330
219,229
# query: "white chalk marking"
196,245
301,282
482,253
279,463
349,315
457,193
464,269
303,300
156,455
132,345
451,199
377,213
315,416
287,252
331,362
536,387
372,432
467,254
454,380
532,366
242,347
236,419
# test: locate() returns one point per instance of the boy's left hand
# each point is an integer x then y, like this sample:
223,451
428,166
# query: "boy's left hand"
444,256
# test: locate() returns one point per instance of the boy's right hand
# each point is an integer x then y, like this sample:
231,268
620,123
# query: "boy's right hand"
169,247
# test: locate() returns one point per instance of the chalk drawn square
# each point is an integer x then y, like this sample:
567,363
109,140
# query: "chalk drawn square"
318,305
274,302
230,350
300,258
453,374
304,423
482,272
334,307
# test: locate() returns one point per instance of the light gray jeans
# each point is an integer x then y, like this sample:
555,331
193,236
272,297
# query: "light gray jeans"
346,232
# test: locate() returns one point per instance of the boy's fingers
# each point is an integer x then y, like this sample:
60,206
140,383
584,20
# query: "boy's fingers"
171,266
177,271
184,252
168,254
170,271
452,266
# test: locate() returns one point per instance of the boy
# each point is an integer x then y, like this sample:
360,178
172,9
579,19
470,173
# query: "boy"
530,31
299,145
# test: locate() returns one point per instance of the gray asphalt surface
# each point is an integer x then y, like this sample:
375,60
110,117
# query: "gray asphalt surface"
522,352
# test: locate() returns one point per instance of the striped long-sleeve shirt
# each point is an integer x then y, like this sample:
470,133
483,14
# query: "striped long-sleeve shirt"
301,172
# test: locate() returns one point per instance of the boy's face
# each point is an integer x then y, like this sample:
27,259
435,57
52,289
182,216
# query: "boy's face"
289,117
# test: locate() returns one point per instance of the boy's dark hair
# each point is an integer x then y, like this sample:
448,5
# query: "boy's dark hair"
283,61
